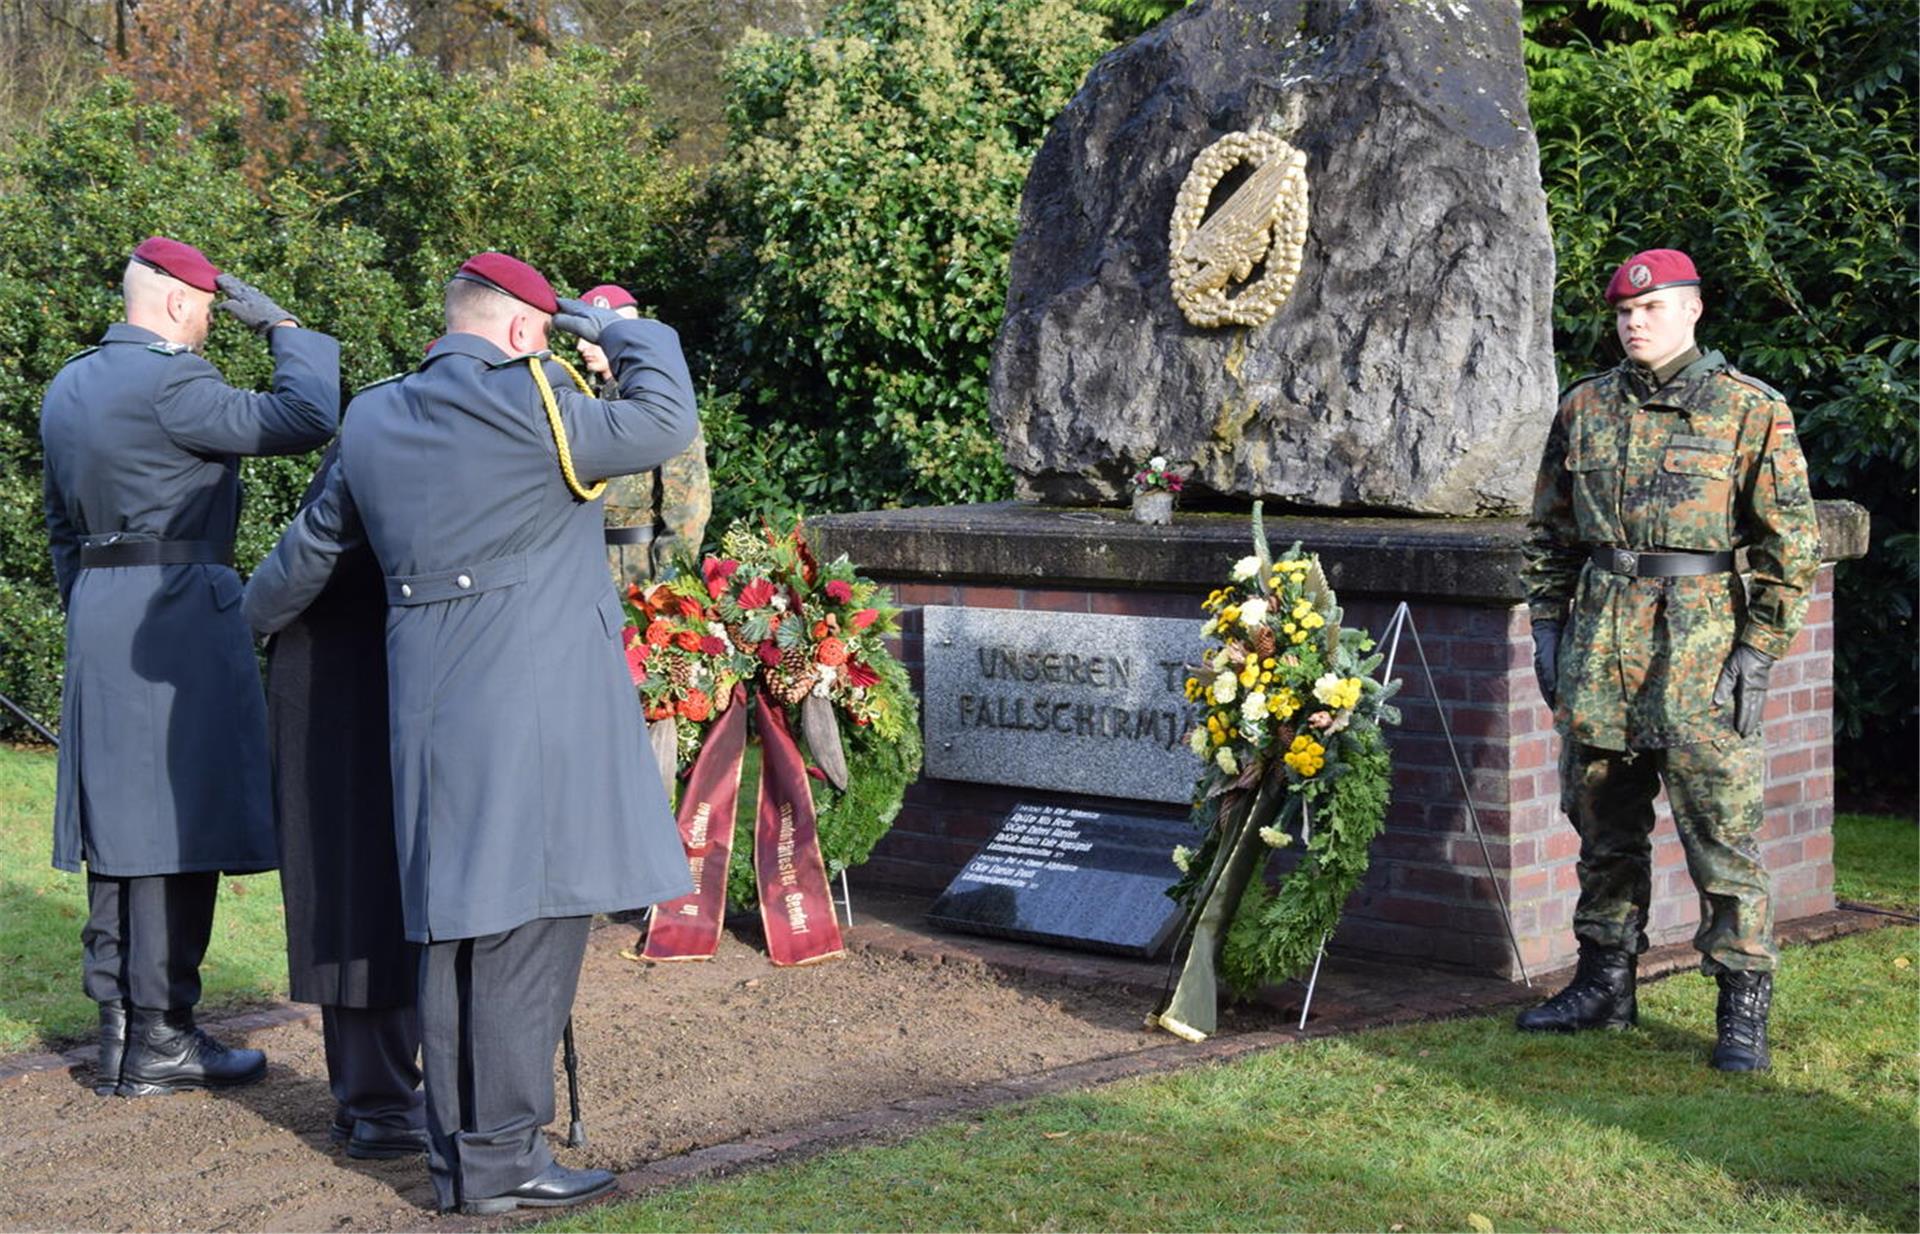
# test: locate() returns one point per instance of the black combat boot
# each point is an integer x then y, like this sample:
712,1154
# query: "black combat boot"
1745,1000
113,1046
167,1053
1599,996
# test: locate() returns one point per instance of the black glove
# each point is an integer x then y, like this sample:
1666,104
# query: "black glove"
1743,683
1546,657
250,305
579,317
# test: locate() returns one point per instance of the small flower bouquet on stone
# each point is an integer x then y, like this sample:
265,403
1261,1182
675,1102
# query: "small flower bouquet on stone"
1290,735
1154,488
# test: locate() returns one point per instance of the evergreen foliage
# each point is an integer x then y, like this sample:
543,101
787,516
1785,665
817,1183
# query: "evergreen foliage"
874,185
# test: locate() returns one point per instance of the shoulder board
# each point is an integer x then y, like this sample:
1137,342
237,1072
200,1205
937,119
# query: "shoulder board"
1581,381
1756,383
522,358
83,352
168,349
383,381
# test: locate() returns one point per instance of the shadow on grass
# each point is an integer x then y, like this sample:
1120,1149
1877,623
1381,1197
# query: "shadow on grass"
1769,1134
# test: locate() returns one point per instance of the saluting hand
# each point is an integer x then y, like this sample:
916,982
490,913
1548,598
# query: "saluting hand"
252,307
587,321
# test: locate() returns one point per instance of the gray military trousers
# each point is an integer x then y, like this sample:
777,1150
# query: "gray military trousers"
492,1010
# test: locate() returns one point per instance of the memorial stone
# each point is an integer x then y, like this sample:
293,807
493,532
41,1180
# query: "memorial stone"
1074,702
1091,879
1300,248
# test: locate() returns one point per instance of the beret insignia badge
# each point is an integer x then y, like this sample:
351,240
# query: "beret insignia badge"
1639,275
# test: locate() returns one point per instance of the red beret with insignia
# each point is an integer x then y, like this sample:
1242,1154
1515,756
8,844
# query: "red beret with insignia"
1650,271
512,276
610,296
181,261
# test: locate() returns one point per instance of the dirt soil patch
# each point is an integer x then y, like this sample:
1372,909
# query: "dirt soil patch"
673,1058
688,1070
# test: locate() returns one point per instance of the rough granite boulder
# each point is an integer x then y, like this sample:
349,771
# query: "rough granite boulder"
1411,367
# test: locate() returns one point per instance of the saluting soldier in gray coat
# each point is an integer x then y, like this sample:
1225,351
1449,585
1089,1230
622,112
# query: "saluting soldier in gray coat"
163,759
525,797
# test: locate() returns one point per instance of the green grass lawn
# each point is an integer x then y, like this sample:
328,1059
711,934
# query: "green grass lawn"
1451,1126
42,910
1873,860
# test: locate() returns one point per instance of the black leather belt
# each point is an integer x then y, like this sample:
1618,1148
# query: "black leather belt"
104,552
1659,564
629,535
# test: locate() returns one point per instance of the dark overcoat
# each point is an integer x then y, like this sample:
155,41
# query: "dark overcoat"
163,752
523,783
333,791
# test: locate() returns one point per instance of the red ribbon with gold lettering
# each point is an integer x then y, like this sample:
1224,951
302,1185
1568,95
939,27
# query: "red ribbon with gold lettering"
689,928
796,904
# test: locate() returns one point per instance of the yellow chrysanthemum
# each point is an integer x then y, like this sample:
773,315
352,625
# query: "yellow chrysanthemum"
1306,756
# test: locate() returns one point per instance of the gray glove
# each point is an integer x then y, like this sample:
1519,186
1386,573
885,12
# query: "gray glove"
579,317
1743,683
1546,657
250,305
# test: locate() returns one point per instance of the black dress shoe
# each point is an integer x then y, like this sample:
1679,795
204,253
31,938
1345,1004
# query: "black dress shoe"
554,1187
376,1142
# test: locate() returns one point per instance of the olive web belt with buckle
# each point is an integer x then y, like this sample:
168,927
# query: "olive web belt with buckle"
108,551
629,535
1659,564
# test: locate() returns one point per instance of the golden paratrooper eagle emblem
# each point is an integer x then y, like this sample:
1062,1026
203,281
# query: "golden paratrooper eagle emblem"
1265,219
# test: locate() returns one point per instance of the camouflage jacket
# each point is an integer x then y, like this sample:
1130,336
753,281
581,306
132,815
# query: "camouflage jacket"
674,500
1708,462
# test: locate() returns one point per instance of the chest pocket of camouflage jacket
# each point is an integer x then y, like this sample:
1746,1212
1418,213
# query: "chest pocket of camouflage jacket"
1593,461
1697,493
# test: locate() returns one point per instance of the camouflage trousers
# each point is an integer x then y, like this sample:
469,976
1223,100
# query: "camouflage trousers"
1715,789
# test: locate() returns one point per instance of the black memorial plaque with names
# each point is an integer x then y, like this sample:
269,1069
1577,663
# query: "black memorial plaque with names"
1089,879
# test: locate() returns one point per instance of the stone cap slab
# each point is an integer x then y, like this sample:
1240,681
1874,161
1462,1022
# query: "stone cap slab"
1460,559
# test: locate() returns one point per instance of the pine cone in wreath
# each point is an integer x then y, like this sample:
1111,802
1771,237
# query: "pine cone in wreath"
680,672
1263,640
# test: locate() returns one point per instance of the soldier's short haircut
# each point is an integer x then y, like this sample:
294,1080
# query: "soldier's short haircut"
470,303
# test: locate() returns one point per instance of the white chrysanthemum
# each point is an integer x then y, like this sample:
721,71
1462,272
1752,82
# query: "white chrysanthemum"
1158,462
1223,688
1182,857
822,687
779,602
1227,763
1198,742
827,674
1220,660
716,629
1253,612
1275,838
1254,707
1245,568
1323,689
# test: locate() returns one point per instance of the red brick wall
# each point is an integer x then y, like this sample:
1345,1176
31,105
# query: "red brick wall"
1428,895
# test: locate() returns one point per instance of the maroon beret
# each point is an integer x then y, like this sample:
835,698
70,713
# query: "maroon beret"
512,276
610,296
1650,271
182,261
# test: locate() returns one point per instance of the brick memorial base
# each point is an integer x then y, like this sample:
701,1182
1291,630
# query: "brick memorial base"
1427,896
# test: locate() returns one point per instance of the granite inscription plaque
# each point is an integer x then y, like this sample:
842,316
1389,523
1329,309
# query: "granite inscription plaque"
1073,702
1091,879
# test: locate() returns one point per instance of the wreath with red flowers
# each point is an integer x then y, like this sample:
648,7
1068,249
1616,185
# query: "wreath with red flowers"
765,613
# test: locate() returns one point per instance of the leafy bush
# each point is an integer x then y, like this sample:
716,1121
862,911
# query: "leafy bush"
874,188
1775,143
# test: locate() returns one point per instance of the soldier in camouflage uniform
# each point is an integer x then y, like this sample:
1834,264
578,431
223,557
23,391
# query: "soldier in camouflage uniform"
1655,654
656,515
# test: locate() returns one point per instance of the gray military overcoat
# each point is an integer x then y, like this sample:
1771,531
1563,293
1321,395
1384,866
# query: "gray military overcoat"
163,752
523,784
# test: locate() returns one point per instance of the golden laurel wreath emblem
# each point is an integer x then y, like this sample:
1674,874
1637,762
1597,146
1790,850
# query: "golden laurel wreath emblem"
1265,218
